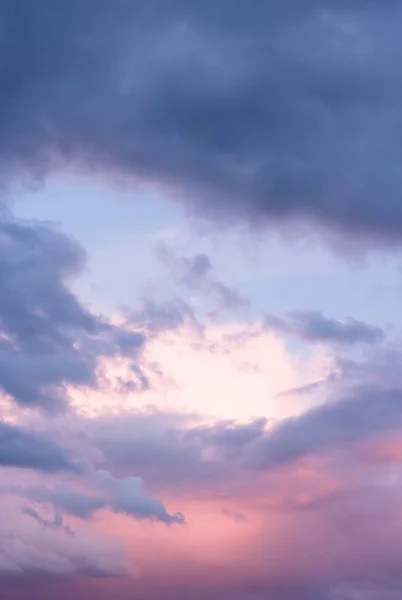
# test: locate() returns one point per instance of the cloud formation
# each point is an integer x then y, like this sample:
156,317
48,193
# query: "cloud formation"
22,448
195,274
27,551
126,496
271,111
281,114
173,453
313,326
49,339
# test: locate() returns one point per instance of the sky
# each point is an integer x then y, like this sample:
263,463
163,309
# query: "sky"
200,283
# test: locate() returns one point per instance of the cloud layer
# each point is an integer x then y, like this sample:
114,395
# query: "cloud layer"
271,111
48,337
214,454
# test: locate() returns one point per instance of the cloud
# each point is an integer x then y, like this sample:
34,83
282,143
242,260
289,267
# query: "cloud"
310,525
48,338
194,273
63,498
158,317
127,496
211,371
200,365
22,448
313,326
160,447
25,551
271,112
312,501
238,517
177,453
55,523
335,424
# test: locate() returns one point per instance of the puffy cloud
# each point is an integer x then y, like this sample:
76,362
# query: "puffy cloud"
48,338
20,447
127,496
63,498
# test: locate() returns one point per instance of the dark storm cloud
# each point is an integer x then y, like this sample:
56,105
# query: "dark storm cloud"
48,338
313,326
267,110
22,448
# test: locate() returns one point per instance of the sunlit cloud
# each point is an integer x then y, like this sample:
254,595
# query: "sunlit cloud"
227,371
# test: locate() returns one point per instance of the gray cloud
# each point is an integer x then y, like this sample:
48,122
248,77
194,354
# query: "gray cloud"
162,448
55,523
171,452
267,110
157,317
63,498
350,417
21,448
364,414
238,517
195,273
48,339
313,326
126,496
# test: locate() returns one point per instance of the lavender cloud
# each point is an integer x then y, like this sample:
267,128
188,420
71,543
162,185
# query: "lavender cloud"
27,551
172,452
313,326
126,496
22,448
49,339
195,274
